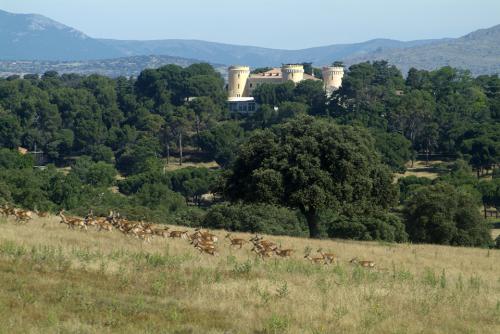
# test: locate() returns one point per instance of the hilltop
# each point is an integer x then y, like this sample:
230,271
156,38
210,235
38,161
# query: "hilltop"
31,36
34,37
478,52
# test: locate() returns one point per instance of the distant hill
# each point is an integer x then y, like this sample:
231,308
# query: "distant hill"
38,39
478,52
126,66
28,37
255,56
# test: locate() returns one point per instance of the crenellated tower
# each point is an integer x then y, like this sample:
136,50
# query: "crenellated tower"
293,72
237,81
332,78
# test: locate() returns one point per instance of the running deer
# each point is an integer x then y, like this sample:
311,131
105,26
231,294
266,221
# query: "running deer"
363,263
328,257
236,241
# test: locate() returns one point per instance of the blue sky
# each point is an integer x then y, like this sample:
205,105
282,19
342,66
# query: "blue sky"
289,24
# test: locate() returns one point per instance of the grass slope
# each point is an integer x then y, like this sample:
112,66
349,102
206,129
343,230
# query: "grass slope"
57,280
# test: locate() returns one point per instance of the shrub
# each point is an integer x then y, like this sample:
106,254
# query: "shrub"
99,174
443,214
408,185
382,226
255,218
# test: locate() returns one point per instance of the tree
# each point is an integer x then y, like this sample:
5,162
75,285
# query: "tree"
255,218
490,193
97,174
312,164
10,131
222,141
443,214
396,150
313,94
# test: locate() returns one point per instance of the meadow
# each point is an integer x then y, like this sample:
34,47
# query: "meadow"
57,280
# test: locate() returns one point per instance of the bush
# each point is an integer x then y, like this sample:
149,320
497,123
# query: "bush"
497,242
10,159
255,218
383,226
408,185
101,153
5,196
443,214
99,174
159,196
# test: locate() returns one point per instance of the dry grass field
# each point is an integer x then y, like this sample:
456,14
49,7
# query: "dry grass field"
56,280
421,169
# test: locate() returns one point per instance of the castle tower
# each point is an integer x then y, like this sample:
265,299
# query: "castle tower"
237,80
332,77
293,72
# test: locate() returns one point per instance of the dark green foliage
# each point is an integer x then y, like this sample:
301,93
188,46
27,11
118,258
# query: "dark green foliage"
395,149
10,130
222,141
383,226
255,218
13,160
159,196
272,94
98,174
442,214
192,183
137,157
310,164
5,196
408,185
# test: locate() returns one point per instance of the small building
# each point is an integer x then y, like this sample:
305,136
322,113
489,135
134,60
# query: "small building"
242,105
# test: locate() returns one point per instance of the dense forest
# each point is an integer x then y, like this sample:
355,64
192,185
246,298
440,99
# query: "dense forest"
303,164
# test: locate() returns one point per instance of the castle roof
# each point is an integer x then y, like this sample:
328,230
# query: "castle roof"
275,73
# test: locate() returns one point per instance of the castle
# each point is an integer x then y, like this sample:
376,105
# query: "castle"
241,83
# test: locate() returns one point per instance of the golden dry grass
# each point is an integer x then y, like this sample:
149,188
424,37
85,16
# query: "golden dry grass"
174,165
56,280
420,169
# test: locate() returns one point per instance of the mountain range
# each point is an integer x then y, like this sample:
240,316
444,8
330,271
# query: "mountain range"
37,40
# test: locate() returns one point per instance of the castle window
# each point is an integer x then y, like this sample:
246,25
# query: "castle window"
238,86
251,85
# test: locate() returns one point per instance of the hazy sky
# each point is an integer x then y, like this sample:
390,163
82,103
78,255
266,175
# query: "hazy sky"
289,24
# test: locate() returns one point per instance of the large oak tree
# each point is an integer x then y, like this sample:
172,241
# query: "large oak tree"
312,164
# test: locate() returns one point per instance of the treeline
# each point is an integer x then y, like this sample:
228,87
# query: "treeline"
303,164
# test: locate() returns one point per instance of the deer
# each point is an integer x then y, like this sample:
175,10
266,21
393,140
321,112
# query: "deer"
363,263
259,242
203,235
328,257
205,246
72,222
236,241
7,210
315,259
178,234
103,225
162,232
23,216
41,214
284,252
147,237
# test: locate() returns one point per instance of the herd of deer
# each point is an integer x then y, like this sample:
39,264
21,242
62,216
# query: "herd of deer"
203,241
